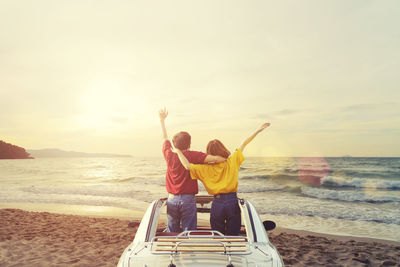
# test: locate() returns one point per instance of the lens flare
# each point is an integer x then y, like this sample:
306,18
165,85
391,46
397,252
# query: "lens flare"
312,170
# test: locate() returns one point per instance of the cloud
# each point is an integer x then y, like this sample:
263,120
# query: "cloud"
119,120
287,112
278,114
366,112
369,106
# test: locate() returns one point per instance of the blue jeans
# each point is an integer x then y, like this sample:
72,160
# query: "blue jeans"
181,208
225,214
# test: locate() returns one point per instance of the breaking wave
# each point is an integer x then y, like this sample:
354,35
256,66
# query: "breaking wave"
349,195
336,182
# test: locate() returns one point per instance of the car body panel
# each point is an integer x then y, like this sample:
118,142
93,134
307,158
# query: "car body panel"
207,249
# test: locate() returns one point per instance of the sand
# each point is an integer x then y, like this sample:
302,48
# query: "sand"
303,248
49,239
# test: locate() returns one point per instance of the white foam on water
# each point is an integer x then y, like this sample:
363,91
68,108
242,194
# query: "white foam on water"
337,226
271,184
337,181
351,195
295,205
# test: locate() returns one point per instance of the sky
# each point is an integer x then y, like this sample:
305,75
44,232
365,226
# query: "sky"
91,76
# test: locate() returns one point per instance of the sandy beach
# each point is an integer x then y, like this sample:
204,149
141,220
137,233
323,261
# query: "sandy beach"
50,239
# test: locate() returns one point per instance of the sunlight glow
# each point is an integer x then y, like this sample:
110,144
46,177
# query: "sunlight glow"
103,102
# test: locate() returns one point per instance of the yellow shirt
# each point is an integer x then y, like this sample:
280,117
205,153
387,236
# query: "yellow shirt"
219,178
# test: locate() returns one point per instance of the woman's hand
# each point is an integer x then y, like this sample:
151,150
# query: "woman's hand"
262,127
249,139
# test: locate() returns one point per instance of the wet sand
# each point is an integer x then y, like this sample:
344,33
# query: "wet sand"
50,239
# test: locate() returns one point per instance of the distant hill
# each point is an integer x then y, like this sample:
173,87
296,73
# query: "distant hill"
58,153
9,151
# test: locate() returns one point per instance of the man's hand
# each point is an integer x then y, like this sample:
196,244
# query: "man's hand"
163,113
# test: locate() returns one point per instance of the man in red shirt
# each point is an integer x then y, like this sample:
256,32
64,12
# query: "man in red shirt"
181,204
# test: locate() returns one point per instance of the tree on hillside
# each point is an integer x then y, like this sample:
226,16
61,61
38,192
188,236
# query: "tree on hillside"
9,151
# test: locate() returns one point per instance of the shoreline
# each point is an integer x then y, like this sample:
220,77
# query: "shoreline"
79,210
340,238
44,238
128,214
136,215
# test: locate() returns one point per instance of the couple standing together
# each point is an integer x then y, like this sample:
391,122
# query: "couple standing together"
218,170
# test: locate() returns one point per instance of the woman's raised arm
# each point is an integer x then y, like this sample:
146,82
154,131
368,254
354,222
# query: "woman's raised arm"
249,139
183,159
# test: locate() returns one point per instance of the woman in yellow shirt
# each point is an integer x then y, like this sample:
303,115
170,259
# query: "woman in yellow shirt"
221,181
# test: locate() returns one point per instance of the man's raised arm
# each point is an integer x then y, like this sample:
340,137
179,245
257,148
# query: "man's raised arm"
163,113
214,159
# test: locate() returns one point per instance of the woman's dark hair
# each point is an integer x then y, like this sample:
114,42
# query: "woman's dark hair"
182,140
216,148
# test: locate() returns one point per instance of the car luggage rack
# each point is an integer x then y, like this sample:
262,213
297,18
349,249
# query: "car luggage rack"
200,242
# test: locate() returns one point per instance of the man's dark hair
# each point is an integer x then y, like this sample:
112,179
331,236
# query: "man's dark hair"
182,140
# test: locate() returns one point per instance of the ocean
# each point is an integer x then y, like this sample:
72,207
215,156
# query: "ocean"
345,196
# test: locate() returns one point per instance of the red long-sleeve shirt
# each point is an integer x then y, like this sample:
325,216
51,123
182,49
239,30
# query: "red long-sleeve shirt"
177,179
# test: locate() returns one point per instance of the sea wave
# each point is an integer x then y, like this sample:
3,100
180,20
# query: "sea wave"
122,180
303,206
90,200
259,188
346,216
337,181
369,173
97,190
348,195
277,177
249,177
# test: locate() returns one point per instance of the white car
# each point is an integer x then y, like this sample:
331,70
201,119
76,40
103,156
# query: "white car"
153,247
